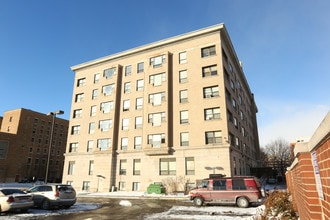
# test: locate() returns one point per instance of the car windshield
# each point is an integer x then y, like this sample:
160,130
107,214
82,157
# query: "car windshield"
11,191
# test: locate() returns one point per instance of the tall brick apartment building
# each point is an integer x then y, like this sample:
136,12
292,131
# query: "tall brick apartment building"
24,144
175,110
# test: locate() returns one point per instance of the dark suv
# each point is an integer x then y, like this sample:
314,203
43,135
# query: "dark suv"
227,190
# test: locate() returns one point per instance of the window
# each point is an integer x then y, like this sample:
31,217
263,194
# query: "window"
86,185
75,129
208,51
212,113
238,184
138,142
124,143
108,89
108,73
127,87
183,57
184,139
73,147
81,82
71,168
136,186
125,124
183,96
190,165
126,105
156,140
91,128
219,184
122,186
184,117
94,95
157,98
139,85
103,144
77,113
167,166
157,79
128,70
91,167
138,122
232,85
93,110
122,167
140,67
136,166
183,76
105,125
106,106
139,103
90,145
156,118
96,78
209,92
210,71
234,103
213,137
79,97
157,61
235,122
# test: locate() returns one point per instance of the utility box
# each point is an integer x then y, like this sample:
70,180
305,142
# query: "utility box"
155,189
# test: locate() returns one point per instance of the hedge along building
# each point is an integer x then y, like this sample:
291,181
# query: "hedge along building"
171,111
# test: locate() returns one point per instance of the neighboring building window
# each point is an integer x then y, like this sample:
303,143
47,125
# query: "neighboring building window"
90,145
94,95
71,167
75,129
96,78
140,67
106,106
136,186
157,61
183,76
156,140
235,122
122,186
126,105
108,89
122,167
93,110
136,166
232,85
91,128
91,167
86,185
210,71
127,87
184,117
73,147
108,73
139,103
79,97
81,82
105,125
209,92
212,113
138,122
77,113
167,166
157,79
213,137
183,57
190,165
208,51
139,85
183,96
234,103
184,139
125,124
124,143
103,144
128,70
157,98
156,118
138,143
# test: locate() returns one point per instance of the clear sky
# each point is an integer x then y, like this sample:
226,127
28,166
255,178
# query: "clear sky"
284,46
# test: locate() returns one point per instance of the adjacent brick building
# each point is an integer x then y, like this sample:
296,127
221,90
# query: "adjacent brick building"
24,144
173,111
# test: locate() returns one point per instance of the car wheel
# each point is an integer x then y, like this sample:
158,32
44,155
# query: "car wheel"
242,202
198,201
45,204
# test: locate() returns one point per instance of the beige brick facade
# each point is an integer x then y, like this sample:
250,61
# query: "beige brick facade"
186,113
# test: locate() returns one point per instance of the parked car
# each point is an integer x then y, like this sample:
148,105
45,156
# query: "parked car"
241,191
49,196
14,199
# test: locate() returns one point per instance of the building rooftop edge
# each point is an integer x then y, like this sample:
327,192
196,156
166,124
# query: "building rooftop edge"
151,45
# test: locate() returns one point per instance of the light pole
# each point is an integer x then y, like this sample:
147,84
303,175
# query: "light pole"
58,112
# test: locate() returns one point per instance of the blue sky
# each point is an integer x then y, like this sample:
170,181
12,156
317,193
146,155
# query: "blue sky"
284,46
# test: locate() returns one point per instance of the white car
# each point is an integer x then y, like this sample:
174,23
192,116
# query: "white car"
14,199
